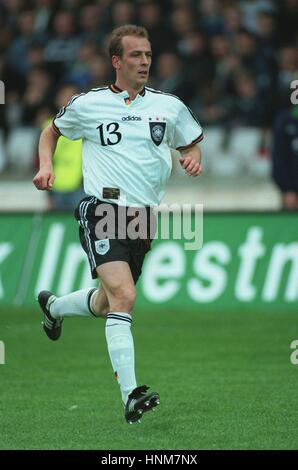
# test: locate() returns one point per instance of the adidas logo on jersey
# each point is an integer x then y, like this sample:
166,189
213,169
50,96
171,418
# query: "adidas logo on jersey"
131,118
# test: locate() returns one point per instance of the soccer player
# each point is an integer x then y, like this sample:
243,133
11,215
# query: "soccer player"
127,130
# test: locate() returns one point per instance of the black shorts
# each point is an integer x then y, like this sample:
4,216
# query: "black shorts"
102,248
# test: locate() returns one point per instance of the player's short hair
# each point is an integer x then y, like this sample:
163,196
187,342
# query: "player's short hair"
115,42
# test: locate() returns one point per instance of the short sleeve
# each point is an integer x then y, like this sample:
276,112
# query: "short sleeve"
67,120
188,130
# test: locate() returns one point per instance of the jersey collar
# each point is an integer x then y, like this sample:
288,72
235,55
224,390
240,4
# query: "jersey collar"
116,89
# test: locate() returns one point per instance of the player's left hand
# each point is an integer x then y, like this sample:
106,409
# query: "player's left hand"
191,166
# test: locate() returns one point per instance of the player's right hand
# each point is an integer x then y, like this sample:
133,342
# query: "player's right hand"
44,179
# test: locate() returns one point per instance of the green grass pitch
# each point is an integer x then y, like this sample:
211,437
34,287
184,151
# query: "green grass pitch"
225,381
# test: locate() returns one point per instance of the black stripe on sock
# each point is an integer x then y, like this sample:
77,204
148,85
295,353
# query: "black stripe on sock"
89,300
118,317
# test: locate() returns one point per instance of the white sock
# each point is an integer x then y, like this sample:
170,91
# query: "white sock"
121,351
77,303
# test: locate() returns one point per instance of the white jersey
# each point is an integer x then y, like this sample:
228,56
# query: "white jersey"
126,147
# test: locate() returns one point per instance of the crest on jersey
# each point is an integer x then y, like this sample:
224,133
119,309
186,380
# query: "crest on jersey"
102,246
157,131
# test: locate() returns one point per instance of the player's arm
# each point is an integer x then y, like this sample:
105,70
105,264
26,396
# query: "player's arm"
45,177
190,160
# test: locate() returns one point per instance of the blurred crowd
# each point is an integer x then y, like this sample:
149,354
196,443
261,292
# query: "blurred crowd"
231,61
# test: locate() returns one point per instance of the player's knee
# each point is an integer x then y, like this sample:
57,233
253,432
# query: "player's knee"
124,298
127,300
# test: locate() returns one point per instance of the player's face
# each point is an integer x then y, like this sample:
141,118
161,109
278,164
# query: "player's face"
133,67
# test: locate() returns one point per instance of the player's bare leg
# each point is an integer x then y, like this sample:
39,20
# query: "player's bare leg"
100,304
118,284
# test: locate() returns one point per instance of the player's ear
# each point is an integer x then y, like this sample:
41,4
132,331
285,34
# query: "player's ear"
116,62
